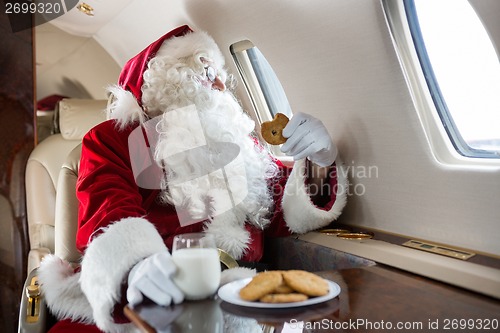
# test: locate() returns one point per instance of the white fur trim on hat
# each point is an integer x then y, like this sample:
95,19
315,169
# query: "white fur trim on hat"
301,215
191,44
124,107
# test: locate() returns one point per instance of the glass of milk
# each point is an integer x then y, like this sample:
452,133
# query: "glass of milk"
198,267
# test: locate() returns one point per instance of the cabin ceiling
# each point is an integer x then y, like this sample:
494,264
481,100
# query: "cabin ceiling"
123,27
78,23
79,55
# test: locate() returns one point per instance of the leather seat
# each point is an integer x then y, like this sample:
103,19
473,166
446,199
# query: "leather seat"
52,206
33,314
75,118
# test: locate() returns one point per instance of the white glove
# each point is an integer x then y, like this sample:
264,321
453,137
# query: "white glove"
151,277
308,137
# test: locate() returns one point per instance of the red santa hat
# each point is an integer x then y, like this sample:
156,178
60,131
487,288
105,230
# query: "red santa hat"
179,43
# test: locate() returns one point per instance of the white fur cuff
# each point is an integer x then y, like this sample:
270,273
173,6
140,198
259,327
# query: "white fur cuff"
301,215
109,258
62,291
236,273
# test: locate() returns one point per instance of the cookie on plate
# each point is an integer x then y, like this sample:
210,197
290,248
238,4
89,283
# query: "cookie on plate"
283,289
306,283
261,284
284,298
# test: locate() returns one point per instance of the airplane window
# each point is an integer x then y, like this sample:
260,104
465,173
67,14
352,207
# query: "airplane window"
462,70
263,86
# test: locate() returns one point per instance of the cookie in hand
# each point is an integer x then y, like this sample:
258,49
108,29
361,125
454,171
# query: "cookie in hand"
272,131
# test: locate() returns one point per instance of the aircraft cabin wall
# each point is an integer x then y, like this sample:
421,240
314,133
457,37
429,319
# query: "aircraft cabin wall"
336,60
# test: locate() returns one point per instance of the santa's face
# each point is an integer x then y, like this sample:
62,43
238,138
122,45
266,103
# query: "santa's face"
171,83
197,112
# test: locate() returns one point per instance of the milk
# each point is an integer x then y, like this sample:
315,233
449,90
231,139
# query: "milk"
198,271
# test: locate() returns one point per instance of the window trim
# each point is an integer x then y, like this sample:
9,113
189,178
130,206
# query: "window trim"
446,117
239,52
244,66
434,129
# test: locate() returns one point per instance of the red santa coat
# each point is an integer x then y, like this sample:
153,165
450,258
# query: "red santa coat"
121,223
108,192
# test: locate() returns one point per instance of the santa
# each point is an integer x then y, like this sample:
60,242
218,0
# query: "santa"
147,175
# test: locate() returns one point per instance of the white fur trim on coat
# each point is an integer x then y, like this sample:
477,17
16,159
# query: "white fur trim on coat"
236,273
62,291
229,232
107,261
301,215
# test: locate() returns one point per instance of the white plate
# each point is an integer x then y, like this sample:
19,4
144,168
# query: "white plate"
231,294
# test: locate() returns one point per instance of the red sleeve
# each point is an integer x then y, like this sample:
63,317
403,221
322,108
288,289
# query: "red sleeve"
278,226
106,188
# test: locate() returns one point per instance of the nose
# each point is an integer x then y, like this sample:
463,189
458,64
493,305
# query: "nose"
218,84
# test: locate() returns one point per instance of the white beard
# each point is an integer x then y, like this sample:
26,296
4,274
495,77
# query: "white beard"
227,189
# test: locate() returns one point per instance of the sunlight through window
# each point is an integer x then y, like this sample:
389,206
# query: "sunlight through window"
462,70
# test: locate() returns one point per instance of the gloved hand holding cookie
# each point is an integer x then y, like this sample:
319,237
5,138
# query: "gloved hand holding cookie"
303,136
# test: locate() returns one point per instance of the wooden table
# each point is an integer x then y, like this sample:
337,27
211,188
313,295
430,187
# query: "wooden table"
373,299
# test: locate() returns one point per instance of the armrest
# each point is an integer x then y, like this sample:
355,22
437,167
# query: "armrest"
33,311
35,257
226,260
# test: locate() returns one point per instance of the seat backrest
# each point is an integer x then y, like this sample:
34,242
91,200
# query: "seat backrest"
66,210
76,118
